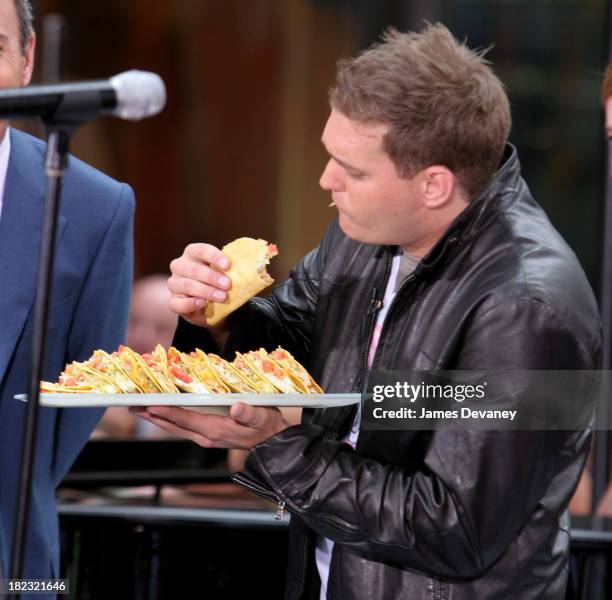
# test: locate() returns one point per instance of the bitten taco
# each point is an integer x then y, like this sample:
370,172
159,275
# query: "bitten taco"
247,272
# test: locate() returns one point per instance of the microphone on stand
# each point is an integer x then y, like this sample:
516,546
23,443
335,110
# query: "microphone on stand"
63,107
132,95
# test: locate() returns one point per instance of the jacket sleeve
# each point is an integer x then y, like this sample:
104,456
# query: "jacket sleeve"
99,321
454,516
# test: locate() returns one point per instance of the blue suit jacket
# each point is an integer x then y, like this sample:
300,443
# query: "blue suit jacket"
88,310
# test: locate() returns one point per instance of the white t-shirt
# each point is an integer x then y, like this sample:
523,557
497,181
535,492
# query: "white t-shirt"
401,266
5,151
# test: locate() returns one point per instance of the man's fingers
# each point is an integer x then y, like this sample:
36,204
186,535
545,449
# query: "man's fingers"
255,417
216,430
184,286
208,254
190,277
186,307
173,429
198,278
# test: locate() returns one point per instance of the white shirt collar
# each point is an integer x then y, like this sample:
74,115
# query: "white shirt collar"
5,151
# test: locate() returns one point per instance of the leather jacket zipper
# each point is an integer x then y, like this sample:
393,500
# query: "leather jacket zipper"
280,503
261,491
376,304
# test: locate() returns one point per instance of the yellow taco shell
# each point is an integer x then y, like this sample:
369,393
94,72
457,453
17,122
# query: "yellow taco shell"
247,273
231,376
204,371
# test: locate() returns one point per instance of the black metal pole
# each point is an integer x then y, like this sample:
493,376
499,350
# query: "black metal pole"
55,163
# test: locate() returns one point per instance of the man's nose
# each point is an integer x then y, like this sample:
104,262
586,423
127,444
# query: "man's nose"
330,178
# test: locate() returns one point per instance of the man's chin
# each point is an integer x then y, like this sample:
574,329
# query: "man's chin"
359,234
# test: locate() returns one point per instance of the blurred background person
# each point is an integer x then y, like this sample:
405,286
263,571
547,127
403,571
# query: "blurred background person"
150,322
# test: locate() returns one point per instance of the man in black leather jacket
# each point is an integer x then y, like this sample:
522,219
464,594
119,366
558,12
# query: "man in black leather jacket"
418,162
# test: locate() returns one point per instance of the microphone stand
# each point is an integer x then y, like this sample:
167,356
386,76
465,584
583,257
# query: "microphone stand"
56,159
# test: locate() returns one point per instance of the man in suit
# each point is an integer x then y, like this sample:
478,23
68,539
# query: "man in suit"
88,305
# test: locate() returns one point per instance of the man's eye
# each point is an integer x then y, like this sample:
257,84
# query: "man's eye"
355,174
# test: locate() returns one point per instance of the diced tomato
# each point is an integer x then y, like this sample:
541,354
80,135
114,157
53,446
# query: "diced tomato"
272,249
278,372
149,360
278,354
180,374
268,366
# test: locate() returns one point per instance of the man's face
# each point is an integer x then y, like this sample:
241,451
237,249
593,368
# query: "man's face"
374,203
15,66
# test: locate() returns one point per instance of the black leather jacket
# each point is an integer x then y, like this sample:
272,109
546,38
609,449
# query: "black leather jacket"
462,515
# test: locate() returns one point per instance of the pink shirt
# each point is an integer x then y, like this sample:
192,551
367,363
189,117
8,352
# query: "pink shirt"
325,546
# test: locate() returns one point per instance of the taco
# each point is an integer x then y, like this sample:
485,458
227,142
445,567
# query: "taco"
137,370
273,372
254,378
247,273
157,361
55,388
230,376
296,371
203,370
183,375
77,375
110,366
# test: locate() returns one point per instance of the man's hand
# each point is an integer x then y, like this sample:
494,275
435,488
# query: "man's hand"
245,427
197,277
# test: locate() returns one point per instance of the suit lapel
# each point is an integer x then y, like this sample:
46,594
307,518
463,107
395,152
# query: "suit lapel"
20,233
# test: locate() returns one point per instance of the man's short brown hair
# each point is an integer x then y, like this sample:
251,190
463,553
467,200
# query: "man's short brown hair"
606,86
442,102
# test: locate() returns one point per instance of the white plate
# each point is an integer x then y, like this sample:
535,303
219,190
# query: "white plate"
92,400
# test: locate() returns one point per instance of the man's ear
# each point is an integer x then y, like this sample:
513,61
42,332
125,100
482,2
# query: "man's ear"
438,186
28,64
